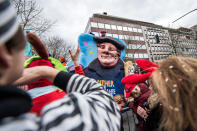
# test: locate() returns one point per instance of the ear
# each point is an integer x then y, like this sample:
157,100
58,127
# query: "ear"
5,57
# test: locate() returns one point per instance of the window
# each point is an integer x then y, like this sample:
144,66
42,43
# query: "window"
130,29
130,55
115,35
100,25
137,38
135,55
126,37
129,46
107,26
143,46
141,38
124,28
145,55
113,27
119,27
120,36
134,29
93,24
141,55
138,46
134,46
131,37
96,33
139,30
108,34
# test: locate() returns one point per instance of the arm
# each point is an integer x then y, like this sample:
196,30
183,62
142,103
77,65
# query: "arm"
86,107
36,73
133,107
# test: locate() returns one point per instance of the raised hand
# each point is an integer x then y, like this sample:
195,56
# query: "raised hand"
74,56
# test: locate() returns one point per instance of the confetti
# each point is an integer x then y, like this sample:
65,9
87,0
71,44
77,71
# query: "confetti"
176,109
171,67
174,90
175,85
166,79
180,79
160,73
91,52
85,43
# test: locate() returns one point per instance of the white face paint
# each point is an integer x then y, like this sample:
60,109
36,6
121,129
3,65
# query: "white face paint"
107,54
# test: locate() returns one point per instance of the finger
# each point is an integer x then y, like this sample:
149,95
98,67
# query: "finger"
78,49
70,52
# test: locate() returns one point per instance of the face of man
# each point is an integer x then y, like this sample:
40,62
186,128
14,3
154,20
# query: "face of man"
136,92
12,57
15,67
108,54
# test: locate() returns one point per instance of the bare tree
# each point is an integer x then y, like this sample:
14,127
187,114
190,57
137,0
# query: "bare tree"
58,47
30,16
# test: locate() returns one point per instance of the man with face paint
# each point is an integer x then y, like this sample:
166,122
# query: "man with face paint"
107,68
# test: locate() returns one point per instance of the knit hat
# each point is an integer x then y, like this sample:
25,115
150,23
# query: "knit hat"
131,81
8,21
147,65
109,39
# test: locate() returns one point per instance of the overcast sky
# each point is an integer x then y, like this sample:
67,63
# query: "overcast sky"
72,15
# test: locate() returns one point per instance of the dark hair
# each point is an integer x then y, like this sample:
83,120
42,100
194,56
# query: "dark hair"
18,41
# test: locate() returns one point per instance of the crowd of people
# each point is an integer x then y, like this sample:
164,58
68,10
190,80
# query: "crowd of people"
46,96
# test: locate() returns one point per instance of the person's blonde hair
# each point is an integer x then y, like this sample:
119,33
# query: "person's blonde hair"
175,81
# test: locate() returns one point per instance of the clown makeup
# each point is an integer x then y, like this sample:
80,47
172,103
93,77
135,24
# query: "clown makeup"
108,54
136,92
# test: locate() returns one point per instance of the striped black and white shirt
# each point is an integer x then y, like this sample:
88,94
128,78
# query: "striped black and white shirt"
86,107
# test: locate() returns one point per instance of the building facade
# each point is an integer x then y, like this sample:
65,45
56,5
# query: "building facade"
144,40
184,42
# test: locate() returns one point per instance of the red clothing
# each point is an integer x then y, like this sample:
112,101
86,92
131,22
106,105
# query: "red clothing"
79,70
40,101
145,93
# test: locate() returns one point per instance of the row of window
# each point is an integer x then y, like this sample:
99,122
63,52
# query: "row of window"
158,33
123,37
186,49
115,27
186,43
161,48
161,41
190,55
136,46
137,55
159,57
